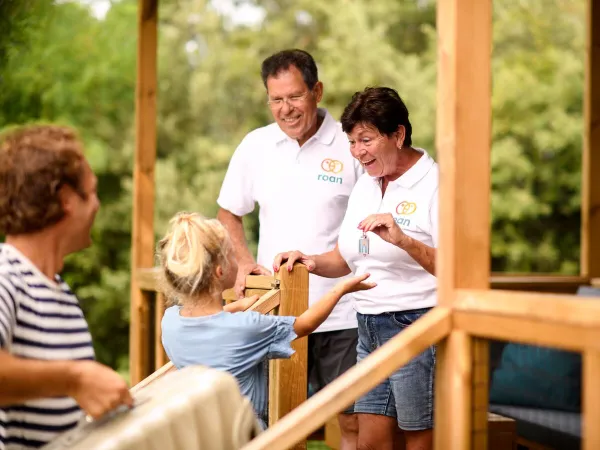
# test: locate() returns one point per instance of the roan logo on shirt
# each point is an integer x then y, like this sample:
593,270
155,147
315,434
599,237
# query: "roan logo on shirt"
333,167
405,208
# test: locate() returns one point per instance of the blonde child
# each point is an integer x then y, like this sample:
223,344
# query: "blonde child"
198,264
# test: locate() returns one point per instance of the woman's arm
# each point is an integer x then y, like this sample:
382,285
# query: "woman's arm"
328,265
421,253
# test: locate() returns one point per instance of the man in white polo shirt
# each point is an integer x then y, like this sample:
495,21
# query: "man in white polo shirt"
300,172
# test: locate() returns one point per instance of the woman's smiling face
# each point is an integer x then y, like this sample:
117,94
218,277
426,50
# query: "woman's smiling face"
377,152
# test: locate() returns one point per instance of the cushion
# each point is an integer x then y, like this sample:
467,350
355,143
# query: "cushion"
537,377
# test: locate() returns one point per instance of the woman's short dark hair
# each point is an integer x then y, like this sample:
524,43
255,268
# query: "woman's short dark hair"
281,61
35,162
380,107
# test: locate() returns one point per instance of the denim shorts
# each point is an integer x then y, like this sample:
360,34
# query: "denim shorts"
408,394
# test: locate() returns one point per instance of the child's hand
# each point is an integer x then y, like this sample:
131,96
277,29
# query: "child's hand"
242,304
356,283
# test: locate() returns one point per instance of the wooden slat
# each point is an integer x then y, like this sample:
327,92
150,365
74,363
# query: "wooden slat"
371,371
267,302
261,282
160,357
550,308
143,184
590,201
288,381
168,367
147,279
528,331
591,400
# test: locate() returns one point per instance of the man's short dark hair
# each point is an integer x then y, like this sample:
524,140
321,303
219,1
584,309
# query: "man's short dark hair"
281,61
380,107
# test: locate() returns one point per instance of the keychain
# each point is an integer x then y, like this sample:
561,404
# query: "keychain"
363,245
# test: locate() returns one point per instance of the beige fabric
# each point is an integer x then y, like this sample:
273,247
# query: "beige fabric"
194,408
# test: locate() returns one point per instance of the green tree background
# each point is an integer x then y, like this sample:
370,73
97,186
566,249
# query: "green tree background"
61,64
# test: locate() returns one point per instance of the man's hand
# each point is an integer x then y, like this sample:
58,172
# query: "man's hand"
98,389
247,269
291,258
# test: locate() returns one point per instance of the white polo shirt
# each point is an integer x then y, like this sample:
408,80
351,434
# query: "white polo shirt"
302,193
412,199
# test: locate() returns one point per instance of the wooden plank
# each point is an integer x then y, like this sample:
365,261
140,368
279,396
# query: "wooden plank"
267,302
550,308
261,282
160,357
147,280
528,331
142,251
590,201
288,379
591,400
355,382
168,367
539,283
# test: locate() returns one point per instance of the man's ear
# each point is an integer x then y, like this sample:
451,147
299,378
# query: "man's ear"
401,136
318,91
66,196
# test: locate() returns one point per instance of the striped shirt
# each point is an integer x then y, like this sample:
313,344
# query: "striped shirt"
39,319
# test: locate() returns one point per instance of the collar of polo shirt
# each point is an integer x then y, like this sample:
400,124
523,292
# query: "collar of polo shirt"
324,134
413,175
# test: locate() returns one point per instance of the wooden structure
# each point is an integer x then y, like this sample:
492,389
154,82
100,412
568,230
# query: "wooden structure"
469,312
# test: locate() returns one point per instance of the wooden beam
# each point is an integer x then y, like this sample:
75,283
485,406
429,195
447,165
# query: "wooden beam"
463,138
160,357
575,338
480,387
563,284
590,202
591,400
288,378
548,308
463,141
142,248
358,380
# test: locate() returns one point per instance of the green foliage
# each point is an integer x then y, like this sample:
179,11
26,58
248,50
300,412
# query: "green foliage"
66,66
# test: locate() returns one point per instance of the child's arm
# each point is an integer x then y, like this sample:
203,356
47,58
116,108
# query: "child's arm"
241,305
314,316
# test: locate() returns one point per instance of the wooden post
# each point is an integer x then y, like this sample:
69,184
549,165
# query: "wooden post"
142,251
463,137
591,400
288,380
590,201
480,389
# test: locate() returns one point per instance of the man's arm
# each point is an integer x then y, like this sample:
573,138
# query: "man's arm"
95,387
235,227
245,260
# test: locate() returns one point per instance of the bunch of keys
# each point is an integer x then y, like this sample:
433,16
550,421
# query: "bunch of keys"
363,245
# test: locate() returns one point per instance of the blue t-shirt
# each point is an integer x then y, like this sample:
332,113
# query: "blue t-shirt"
238,343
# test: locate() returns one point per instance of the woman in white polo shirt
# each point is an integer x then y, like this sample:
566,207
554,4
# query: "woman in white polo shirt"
390,231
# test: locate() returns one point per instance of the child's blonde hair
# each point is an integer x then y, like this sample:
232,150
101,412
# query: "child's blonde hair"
189,254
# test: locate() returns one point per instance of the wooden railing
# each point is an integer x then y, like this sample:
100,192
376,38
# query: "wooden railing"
285,294
544,319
